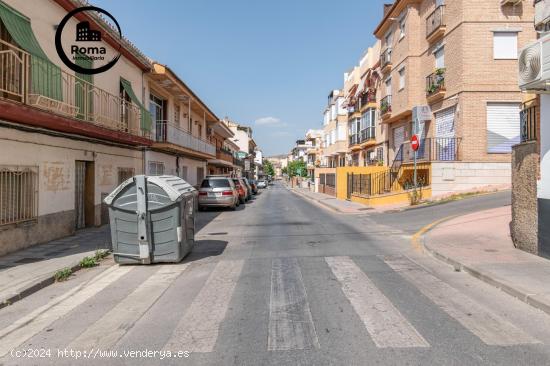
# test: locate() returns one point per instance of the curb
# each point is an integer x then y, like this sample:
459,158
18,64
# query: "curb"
314,200
492,280
36,286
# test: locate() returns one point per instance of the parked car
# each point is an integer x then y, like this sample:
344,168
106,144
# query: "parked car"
241,190
262,184
254,185
217,191
245,180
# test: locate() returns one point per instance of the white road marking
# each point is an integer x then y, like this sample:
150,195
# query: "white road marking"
108,330
489,327
386,325
26,327
197,330
290,323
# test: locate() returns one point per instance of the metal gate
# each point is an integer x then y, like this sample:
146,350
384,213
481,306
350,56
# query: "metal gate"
80,191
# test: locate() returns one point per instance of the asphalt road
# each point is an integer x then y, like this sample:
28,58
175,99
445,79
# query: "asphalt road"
282,281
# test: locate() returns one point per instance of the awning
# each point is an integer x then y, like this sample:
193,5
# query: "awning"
145,115
351,94
219,162
46,77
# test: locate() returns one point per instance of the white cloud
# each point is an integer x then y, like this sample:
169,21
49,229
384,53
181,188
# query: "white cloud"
269,121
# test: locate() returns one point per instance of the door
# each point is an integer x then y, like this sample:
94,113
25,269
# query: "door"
84,194
398,139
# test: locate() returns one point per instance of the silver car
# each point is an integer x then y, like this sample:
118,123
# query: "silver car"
218,192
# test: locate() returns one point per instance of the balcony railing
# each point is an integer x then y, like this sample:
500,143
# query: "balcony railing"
33,81
435,82
528,124
385,58
368,133
238,162
431,149
367,97
435,20
168,132
385,105
224,154
354,139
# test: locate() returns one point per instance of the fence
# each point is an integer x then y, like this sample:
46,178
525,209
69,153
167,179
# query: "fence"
327,183
529,121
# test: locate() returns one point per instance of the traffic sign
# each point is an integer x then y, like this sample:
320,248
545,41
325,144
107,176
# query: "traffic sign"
415,143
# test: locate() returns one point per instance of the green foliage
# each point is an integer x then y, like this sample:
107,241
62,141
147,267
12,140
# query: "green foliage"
268,168
62,274
100,254
297,168
88,262
284,170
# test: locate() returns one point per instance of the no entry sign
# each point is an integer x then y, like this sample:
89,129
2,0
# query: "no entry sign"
415,144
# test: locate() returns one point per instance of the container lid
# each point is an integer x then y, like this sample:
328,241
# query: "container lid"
161,191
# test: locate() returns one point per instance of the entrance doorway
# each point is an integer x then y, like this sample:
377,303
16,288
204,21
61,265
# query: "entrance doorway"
84,194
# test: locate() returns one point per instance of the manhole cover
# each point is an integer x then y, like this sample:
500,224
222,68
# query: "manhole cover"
29,260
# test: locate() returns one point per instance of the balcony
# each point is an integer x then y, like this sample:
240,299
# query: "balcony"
166,132
238,162
367,98
435,24
368,134
224,154
435,85
385,61
36,82
385,107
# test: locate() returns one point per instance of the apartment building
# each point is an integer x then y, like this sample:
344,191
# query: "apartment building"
182,126
313,139
225,162
67,139
452,65
335,131
247,146
367,136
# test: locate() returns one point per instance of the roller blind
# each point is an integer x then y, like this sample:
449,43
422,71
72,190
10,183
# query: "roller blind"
503,127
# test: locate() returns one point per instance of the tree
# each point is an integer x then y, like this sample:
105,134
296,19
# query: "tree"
297,168
268,168
284,170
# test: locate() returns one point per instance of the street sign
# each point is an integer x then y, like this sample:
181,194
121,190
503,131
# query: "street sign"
415,143
421,113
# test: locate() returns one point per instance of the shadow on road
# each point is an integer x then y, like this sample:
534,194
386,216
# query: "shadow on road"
206,248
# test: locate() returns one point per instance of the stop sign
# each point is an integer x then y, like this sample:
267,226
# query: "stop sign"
415,143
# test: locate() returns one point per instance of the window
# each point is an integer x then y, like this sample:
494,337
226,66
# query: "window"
156,168
440,58
184,172
402,78
124,174
388,86
389,39
505,45
200,174
402,26
503,127
177,115
200,130
18,193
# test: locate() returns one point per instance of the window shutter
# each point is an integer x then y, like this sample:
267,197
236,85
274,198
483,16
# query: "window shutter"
505,45
503,127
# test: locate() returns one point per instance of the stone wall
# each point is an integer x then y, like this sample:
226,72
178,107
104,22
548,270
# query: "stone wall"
524,227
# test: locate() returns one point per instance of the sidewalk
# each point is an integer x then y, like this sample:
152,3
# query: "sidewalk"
343,206
480,244
27,271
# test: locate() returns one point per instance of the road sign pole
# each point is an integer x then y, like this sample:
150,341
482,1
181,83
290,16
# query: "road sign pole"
415,169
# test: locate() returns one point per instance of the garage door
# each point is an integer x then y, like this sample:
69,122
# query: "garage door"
503,127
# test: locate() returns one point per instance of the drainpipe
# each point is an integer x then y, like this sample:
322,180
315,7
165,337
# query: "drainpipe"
543,185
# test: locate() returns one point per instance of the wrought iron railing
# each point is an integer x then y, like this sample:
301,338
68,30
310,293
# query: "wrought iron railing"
224,154
385,105
34,81
18,193
368,133
528,124
168,132
435,82
367,98
435,20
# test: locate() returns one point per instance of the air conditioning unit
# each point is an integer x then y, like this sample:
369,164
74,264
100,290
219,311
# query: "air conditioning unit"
534,66
542,15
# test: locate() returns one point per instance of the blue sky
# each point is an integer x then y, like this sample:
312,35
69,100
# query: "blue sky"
266,64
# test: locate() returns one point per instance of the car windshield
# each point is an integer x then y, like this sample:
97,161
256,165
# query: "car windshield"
237,182
215,183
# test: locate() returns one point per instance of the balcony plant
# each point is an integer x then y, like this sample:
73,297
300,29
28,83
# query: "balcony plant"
385,107
437,81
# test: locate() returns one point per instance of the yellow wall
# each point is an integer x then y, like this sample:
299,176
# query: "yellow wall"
342,177
390,198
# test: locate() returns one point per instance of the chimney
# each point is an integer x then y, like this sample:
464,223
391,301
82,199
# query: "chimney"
387,8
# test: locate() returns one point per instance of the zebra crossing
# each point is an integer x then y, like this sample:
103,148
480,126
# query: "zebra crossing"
291,323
